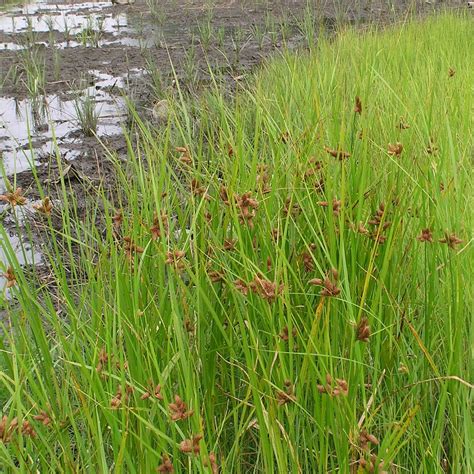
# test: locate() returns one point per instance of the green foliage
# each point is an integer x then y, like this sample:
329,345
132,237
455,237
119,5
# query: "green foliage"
187,282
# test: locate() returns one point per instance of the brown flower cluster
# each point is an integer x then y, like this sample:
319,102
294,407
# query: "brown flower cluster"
43,418
241,286
229,244
334,388
9,427
198,190
431,149
287,395
179,409
339,154
368,460
224,195
262,287
117,220
363,330
329,283
103,360
160,224
263,179
14,198
131,249
191,446
185,155
285,334
425,236
156,391
336,205
175,258
266,289
359,228
395,149
308,259
212,463
315,171
166,465
380,224
45,207
247,208
403,125
451,240
119,397
9,275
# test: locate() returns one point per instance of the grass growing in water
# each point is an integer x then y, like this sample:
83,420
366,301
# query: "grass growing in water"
284,289
86,112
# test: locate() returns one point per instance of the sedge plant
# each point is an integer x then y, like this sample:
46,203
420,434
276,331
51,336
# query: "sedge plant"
279,284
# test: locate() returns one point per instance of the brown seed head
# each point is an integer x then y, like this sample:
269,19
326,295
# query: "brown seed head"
339,154
241,286
185,156
9,275
175,258
425,236
45,207
165,465
229,244
363,330
28,430
247,207
14,198
191,446
395,149
7,428
266,289
212,463
451,240
179,409
43,417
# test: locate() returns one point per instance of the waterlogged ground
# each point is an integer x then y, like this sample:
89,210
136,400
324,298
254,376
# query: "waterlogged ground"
55,56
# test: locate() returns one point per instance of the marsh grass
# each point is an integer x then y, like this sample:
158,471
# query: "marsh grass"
92,33
281,284
33,73
86,113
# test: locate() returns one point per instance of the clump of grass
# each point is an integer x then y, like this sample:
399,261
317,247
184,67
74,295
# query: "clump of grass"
281,285
32,66
92,33
158,11
86,113
259,34
206,32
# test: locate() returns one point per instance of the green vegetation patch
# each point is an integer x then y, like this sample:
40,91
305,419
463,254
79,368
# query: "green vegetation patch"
282,283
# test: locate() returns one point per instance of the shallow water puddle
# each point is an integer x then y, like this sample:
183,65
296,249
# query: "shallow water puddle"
32,128
63,18
35,131
116,41
19,247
